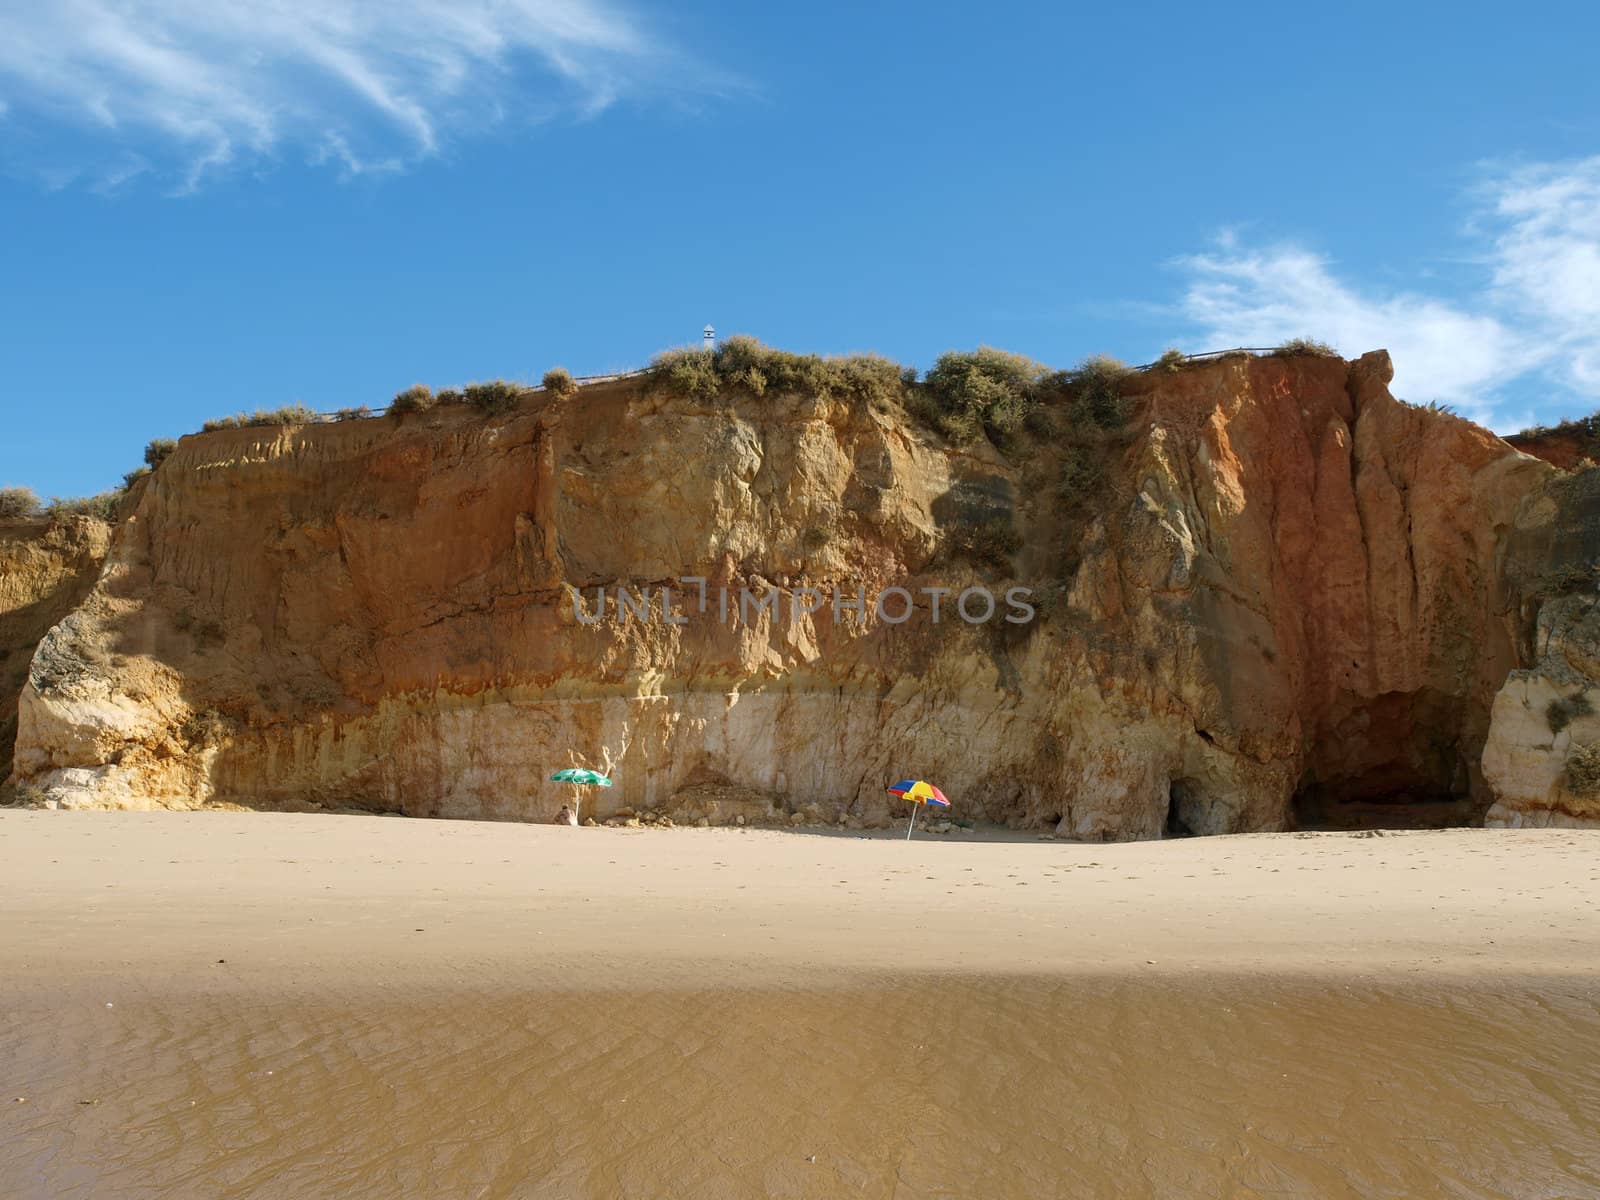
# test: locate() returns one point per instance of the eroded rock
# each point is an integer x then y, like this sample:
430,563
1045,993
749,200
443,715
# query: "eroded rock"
1288,594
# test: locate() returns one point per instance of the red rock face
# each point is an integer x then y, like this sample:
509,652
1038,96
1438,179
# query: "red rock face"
1349,612
1285,588
1566,447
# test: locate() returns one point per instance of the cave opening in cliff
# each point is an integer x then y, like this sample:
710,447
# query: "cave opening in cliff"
1394,761
1185,814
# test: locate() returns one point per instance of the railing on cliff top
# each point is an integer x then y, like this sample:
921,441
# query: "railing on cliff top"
364,411
1216,354
349,415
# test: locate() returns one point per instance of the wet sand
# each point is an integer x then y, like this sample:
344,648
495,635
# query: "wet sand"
231,1005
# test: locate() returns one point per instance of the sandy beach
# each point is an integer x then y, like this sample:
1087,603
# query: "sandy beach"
220,1004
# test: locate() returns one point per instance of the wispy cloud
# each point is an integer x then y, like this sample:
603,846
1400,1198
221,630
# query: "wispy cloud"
210,83
1547,261
1535,312
1443,352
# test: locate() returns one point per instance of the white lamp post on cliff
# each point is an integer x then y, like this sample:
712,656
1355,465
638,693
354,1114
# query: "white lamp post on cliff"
709,339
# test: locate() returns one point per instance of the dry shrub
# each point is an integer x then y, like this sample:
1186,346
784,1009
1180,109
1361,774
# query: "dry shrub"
1583,769
416,398
559,383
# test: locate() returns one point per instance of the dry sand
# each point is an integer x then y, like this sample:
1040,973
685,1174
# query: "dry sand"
230,1005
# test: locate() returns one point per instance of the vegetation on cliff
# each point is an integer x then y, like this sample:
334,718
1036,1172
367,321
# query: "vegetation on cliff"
966,395
1572,444
743,364
22,504
558,382
989,392
1303,345
156,452
103,506
107,505
984,391
289,414
416,398
496,396
1587,428
18,503
1583,769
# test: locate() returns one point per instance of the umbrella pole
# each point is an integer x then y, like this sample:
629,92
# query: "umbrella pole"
913,824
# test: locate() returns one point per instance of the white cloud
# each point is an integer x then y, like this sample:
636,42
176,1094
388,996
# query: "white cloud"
1547,260
1441,352
366,85
1534,317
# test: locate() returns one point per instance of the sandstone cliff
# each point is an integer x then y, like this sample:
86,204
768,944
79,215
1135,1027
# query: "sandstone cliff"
1284,595
46,569
1545,713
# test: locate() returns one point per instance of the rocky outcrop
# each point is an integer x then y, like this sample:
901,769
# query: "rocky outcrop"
1546,712
1283,595
46,569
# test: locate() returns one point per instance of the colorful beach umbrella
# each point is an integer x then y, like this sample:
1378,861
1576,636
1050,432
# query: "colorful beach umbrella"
918,791
583,777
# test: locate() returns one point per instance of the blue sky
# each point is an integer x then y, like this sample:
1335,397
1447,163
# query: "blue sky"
208,207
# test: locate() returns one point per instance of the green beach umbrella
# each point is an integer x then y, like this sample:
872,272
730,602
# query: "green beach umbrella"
582,777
